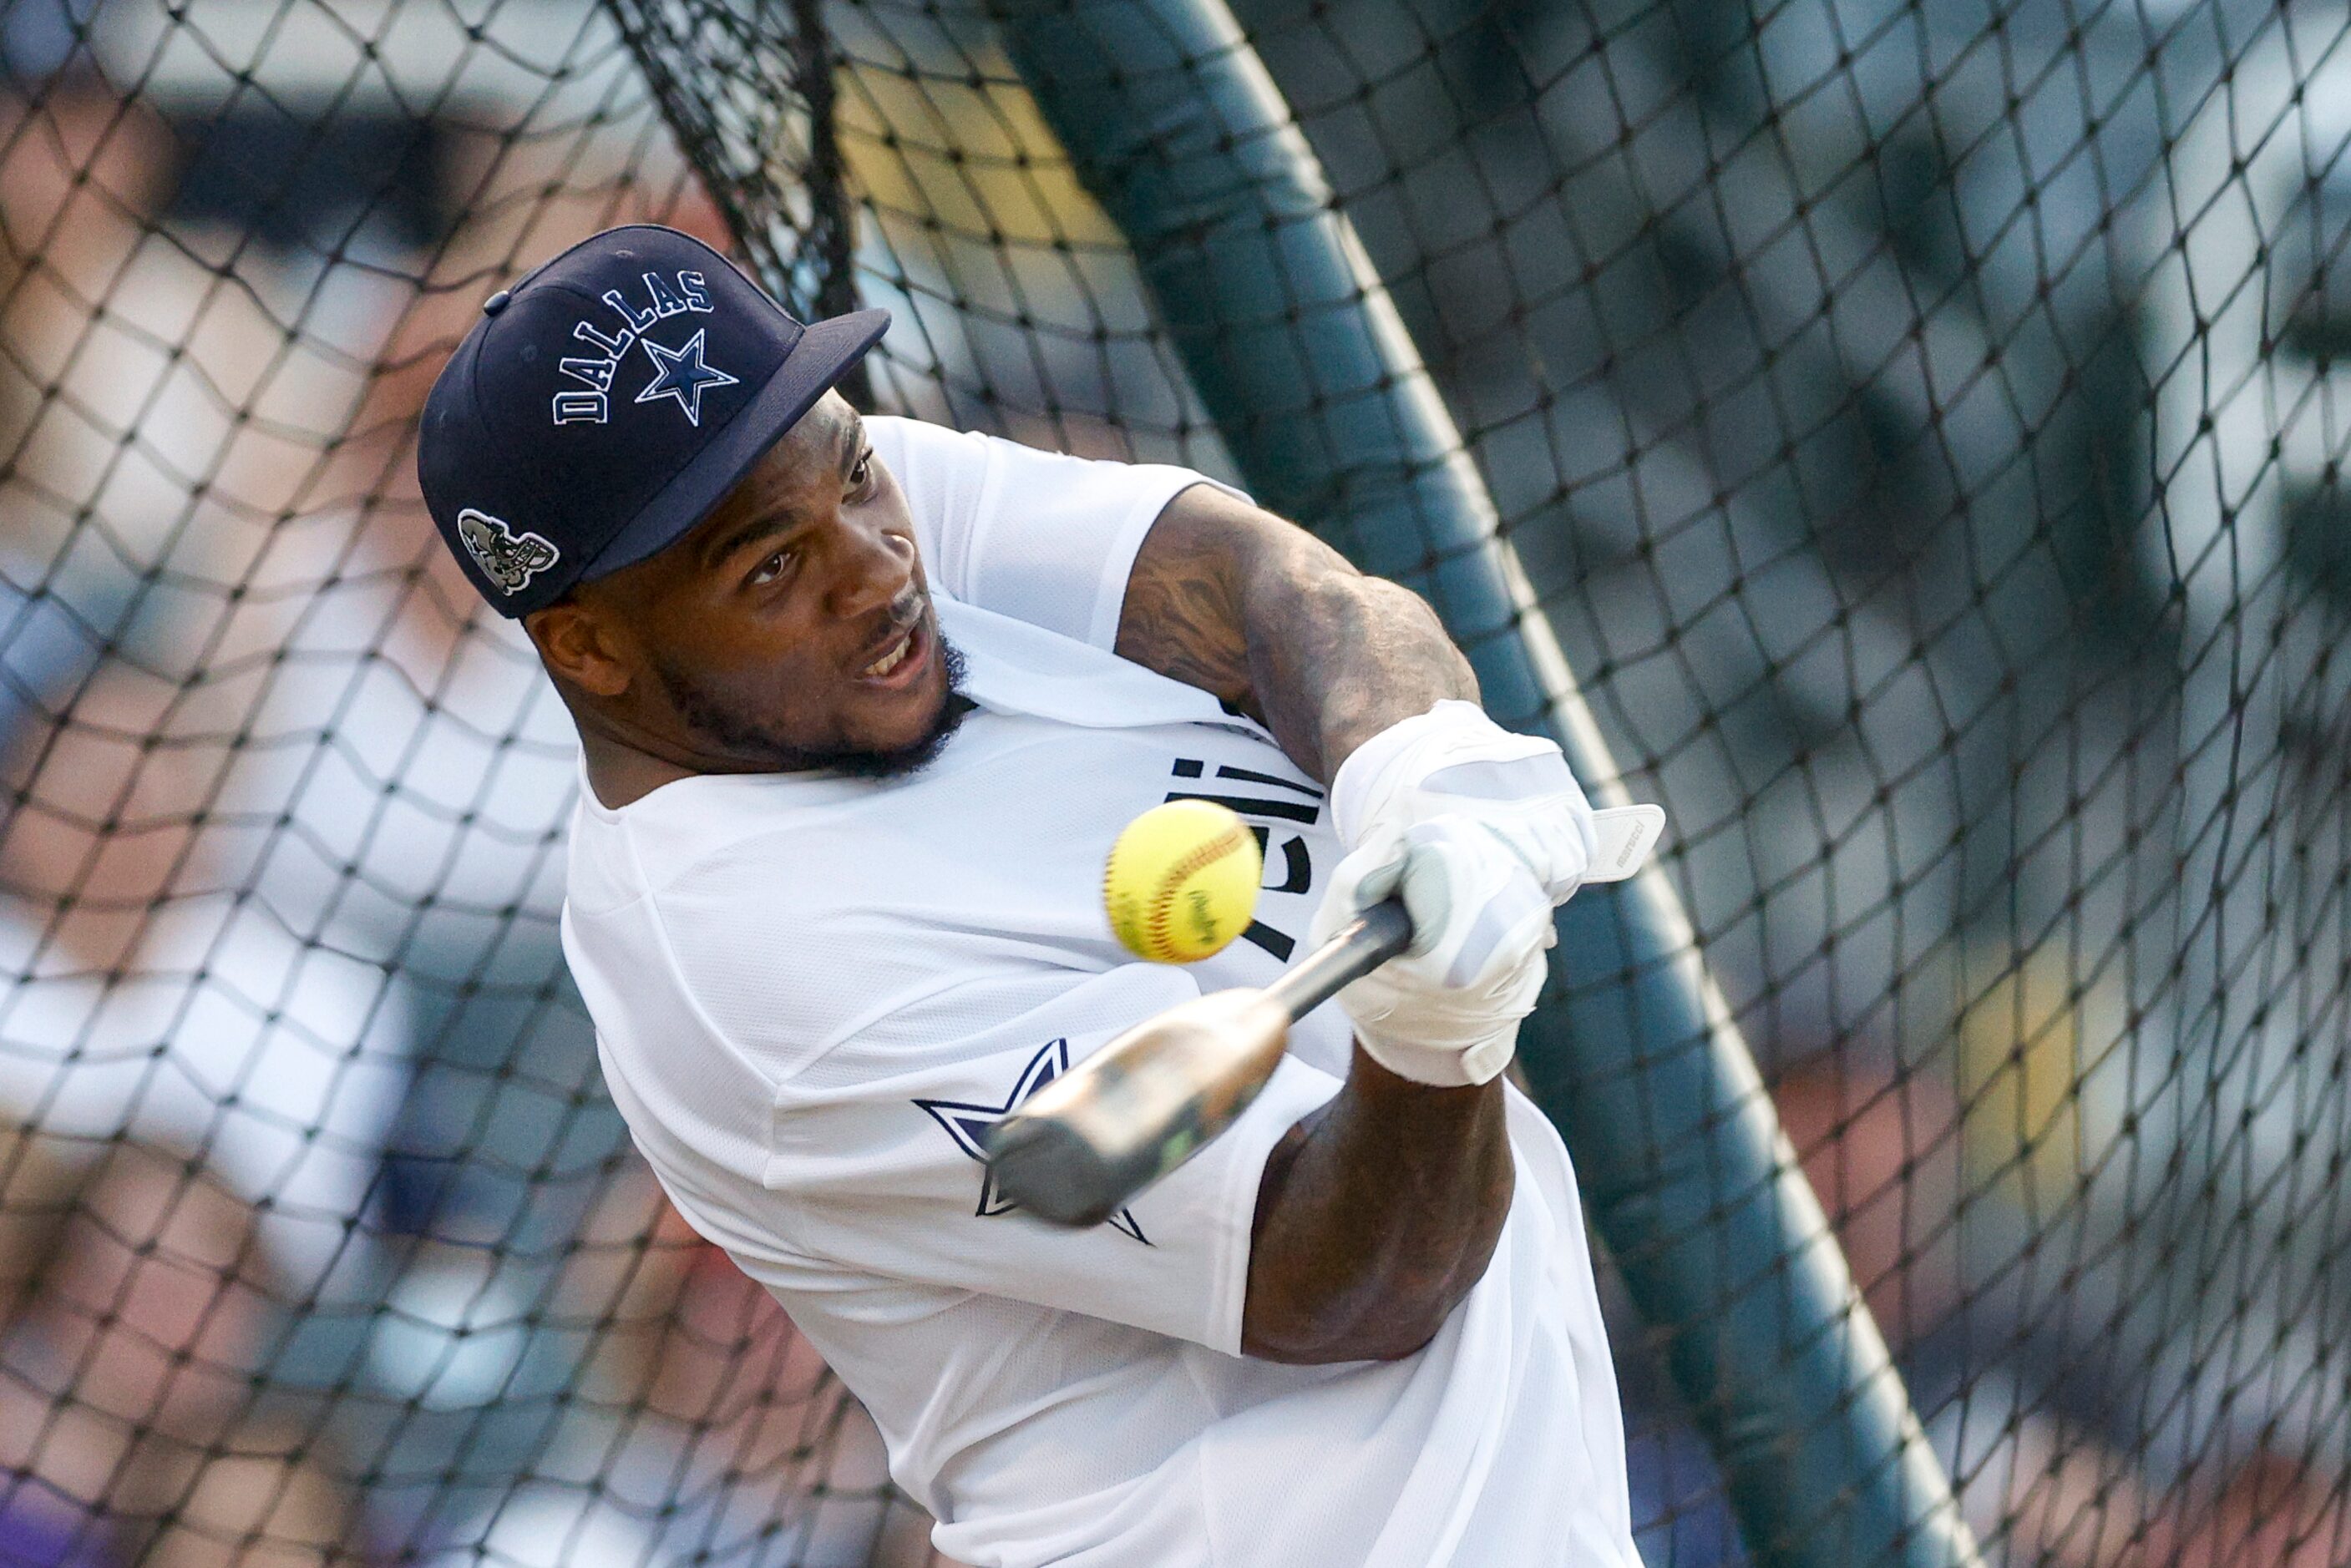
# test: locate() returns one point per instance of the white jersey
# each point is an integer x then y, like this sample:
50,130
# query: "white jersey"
813,994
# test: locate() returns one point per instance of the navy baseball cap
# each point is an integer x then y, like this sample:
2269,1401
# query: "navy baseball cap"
607,402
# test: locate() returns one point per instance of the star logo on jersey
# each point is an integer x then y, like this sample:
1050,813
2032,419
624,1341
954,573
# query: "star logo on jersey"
968,1125
683,376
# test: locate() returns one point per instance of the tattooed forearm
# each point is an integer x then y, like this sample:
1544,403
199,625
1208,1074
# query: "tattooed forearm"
1182,616
1279,625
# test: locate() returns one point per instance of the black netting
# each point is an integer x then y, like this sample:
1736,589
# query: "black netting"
1918,419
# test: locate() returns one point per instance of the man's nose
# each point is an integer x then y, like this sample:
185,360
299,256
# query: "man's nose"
872,567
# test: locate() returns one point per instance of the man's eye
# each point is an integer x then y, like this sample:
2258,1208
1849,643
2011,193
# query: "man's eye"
773,568
860,473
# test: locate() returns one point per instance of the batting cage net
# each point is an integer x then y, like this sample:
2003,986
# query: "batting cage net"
1918,420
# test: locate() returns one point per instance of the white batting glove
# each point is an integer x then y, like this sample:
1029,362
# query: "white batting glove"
1448,1011
1453,761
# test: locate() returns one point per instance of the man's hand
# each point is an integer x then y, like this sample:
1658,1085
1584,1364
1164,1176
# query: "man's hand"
1446,1012
1454,763
1450,804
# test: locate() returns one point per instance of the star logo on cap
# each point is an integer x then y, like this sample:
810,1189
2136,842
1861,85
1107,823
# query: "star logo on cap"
968,1125
683,376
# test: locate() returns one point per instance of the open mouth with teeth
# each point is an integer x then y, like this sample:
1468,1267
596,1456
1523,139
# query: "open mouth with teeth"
900,661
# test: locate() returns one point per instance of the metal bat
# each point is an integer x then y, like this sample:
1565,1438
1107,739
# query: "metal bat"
1076,1150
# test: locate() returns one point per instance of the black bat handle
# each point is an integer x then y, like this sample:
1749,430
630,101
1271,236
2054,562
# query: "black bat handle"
1373,938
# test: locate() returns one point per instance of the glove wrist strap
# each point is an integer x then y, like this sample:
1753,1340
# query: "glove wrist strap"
1444,1067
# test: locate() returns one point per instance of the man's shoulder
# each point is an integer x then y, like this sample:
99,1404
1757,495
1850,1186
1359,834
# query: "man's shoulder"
928,458
703,837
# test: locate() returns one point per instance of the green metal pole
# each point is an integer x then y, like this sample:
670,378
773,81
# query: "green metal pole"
1294,345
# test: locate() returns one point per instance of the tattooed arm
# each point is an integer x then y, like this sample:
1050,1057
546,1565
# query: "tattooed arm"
1236,601
1379,1211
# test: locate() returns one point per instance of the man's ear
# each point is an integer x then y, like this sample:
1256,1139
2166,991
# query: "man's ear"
576,645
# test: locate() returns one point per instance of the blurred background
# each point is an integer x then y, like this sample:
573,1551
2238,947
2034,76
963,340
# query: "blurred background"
1921,424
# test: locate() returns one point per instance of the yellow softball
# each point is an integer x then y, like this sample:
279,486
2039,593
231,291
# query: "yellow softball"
1181,881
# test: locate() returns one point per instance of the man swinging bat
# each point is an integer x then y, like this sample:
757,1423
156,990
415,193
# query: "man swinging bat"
862,704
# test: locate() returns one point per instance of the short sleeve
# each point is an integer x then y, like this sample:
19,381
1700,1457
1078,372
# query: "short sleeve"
1036,536
877,1165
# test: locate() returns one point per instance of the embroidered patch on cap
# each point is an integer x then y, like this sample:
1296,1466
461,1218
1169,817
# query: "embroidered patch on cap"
509,559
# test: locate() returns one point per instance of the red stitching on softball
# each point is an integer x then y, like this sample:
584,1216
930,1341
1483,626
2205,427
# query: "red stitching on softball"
1156,922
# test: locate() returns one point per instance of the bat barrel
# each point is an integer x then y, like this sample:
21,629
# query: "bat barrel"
1054,1172
1084,1143
1082,1146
